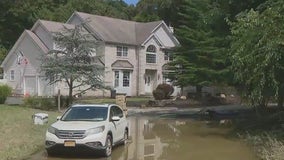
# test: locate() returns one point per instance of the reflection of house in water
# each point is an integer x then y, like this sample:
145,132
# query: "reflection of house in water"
145,145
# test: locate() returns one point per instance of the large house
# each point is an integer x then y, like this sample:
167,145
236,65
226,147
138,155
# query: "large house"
134,54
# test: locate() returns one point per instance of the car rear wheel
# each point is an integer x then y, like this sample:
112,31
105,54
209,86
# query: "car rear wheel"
108,150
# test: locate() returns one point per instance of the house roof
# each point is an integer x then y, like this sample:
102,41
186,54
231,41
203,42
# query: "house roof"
35,40
118,30
52,26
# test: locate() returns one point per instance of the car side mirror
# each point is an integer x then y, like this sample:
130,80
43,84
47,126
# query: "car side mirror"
58,118
115,118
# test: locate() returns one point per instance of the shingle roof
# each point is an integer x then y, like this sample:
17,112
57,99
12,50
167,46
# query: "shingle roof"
52,26
37,41
118,30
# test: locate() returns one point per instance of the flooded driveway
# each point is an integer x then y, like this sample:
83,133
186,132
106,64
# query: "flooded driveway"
156,138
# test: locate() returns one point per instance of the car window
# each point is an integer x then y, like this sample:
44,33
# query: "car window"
85,113
116,111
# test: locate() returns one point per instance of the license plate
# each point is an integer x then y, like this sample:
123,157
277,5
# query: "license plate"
69,143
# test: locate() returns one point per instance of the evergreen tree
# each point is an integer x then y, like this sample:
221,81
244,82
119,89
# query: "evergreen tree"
199,61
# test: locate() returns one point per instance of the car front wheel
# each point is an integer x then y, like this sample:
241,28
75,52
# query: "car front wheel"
125,138
107,151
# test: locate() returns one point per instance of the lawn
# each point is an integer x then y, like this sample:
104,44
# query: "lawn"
19,137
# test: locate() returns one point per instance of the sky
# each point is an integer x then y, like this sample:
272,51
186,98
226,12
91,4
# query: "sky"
131,1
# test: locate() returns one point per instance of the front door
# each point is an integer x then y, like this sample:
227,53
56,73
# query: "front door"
122,81
148,84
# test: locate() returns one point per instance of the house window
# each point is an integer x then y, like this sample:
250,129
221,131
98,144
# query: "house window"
151,54
121,51
126,78
116,78
12,75
168,56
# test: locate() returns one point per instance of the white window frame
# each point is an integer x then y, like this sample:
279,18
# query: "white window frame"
116,79
168,56
126,80
151,54
12,75
121,51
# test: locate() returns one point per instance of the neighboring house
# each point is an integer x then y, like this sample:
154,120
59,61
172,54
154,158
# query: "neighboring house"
133,53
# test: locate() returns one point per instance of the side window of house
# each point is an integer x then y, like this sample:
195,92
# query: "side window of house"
151,54
121,51
168,56
12,75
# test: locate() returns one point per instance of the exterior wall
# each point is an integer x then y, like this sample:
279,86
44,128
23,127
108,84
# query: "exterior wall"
164,37
110,57
143,66
28,49
44,36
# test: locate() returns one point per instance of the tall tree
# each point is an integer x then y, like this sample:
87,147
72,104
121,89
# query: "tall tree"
257,52
199,59
74,61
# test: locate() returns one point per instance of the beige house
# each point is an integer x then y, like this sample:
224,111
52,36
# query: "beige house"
133,53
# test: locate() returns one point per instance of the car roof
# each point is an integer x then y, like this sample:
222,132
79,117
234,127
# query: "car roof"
93,105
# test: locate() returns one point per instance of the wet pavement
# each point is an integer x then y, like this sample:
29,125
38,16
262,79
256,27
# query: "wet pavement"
165,138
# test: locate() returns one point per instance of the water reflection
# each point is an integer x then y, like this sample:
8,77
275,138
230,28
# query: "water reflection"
168,139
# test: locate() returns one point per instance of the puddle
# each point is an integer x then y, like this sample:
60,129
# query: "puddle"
168,139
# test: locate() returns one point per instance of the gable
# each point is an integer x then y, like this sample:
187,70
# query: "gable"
27,46
122,64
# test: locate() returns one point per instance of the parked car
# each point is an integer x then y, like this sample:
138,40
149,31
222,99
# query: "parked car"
94,128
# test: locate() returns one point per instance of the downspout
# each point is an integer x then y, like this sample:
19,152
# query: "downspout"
138,71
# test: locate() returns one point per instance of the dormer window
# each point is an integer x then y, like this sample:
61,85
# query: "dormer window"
121,51
151,54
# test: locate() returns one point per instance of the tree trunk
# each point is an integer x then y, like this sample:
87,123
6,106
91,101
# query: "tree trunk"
70,97
199,91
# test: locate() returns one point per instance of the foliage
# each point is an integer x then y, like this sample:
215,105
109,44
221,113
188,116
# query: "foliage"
167,89
163,91
201,59
266,146
159,94
5,91
42,103
257,52
74,61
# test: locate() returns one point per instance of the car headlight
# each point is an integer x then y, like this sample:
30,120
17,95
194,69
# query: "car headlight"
95,130
51,130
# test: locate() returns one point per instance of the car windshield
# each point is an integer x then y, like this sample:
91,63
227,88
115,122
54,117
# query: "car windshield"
85,113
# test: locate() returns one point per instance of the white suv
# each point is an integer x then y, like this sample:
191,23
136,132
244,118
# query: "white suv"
88,127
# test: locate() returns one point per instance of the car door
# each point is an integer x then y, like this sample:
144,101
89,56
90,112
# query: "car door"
121,124
113,125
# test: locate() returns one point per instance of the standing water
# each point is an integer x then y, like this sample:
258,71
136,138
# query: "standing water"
170,139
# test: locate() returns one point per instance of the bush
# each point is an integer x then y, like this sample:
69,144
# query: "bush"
40,103
159,94
5,91
163,91
64,101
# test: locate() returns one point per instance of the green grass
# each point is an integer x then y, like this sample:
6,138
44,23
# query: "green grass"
109,100
19,137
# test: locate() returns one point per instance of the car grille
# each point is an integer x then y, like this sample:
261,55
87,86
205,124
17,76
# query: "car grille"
68,134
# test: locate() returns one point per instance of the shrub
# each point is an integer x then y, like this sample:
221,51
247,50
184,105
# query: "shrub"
5,91
159,94
64,101
167,89
42,103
